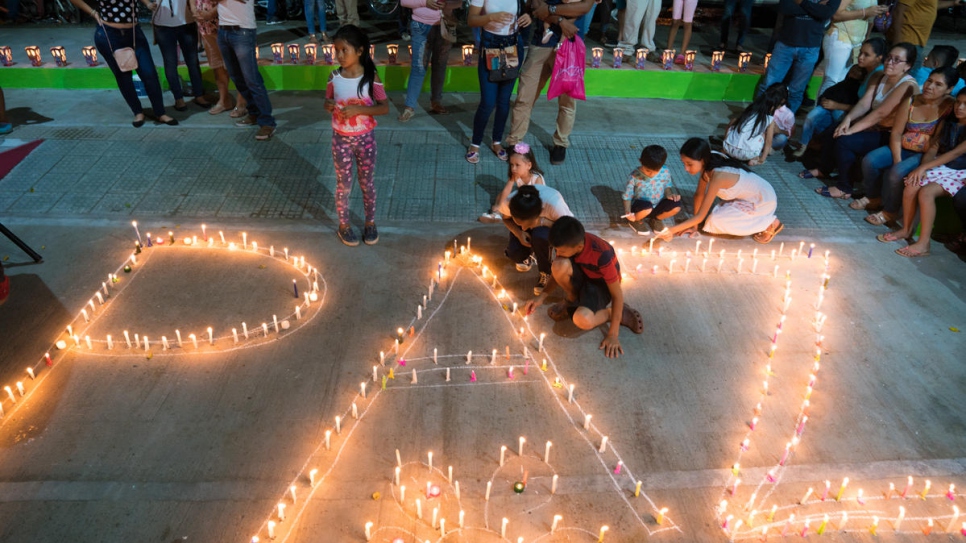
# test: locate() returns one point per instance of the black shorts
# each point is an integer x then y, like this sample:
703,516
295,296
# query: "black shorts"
662,207
591,293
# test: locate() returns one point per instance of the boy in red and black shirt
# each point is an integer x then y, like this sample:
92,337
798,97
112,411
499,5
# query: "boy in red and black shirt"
586,268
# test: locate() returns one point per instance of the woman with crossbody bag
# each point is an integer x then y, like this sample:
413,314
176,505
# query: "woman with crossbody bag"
500,59
174,26
118,31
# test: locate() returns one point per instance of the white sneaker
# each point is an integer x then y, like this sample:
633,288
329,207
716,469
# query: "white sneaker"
526,264
491,218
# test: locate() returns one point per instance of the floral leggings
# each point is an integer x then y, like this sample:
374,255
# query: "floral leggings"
363,149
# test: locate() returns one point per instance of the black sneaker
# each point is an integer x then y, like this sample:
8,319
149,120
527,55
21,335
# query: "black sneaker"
525,266
541,284
348,236
640,227
558,154
610,43
370,236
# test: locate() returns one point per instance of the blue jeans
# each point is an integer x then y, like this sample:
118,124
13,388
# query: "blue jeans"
539,248
493,95
169,38
889,186
817,120
801,62
743,23
428,46
315,9
844,151
583,22
106,38
237,47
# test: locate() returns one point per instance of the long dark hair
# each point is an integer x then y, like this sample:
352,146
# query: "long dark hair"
773,98
354,36
528,156
699,149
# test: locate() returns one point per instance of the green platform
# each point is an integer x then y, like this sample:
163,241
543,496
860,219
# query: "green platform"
676,84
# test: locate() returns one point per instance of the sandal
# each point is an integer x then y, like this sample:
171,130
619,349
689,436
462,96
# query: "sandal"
473,157
408,113
888,237
806,174
769,234
859,204
500,152
560,312
631,319
216,109
824,191
909,252
238,113
438,109
878,219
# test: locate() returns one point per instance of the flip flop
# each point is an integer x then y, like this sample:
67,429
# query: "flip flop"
877,219
632,320
805,174
825,192
768,235
859,204
216,109
906,252
888,237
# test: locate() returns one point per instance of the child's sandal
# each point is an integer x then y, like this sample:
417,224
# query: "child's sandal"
473,157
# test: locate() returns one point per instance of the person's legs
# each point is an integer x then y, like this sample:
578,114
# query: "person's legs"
959,203
893,182
910,205
927,218
168,44
312,13
848,149
149,73
649,23
631,29
439,54
688,17
342,159
540,242
562,270
528,89
271,10
364,149
782,59
744,23
726,20
244,47
837,61
488,96
566,115
516,251
504,91
817,120
188,38
874,164
106,38
226,45
667,208
802,68
417,73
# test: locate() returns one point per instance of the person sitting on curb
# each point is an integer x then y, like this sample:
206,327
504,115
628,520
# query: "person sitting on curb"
587,270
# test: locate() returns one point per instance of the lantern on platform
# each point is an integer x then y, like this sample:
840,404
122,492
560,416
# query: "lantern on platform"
716,58
767,60
90,55
328,53
641,58
392,50
467,55
597,54
33,53
293,52
618,57
743,60
6,55
667,58
277,49
59,54
689,60
311,53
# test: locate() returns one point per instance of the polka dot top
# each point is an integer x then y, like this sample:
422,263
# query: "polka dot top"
118,11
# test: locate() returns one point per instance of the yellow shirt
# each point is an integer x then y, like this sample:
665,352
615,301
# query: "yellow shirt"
917,23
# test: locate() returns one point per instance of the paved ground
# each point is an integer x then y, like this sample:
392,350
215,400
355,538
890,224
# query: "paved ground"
116,446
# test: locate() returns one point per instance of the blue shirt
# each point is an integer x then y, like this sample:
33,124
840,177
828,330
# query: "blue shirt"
642,187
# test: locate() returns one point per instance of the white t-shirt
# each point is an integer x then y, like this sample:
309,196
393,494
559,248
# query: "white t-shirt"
236,13
496,6
172,13
554,205
743,143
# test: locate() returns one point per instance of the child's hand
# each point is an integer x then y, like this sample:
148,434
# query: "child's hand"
329,105
674,197
611,347
524,238
351,111
531,306
914,177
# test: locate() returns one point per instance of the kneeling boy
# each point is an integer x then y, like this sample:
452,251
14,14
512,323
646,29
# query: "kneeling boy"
586,268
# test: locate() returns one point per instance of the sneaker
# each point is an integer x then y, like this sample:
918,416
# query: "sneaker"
541,284
491,218
265,133
348,236
547,35
640,227
610,44
6,128
274,21
370,236
526,264
657,225
246,122
406,36
558,154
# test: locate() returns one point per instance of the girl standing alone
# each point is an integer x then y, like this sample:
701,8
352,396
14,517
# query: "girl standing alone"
353,95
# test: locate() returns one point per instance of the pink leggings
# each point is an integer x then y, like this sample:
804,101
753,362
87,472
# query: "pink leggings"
684,8
360,149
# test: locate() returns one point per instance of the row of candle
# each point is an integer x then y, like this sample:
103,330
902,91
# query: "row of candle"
667,59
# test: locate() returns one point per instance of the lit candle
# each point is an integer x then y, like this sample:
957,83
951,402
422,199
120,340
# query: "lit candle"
926,489
637,488
211,337
469,356
540,345
808,494
368,531
456,485
570,396
442,527
788,523
194,340
908,486
556,521
952,522
265,329
845,482
522,440
587,421
553,483
546,453
489,486
951,493
875,523
355,411
503,528
419,509
603,444
603,530
502,454
435,516
281,511
338,425
928,528
858,497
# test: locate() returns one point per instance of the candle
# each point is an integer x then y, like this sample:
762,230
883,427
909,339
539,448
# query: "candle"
522,440
845,482
414,381
587,421
951,527
637,488
908,486
603,444
503,528
457,487
442,527
874,526
546,453
540,345
788,523
469,356
435,516
720,263
570,396
419,509
338,425
926,489
556,521
858,497
734,487
553,483
603,530
489,486
804,499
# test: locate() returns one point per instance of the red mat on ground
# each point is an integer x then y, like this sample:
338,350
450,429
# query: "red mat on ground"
9,159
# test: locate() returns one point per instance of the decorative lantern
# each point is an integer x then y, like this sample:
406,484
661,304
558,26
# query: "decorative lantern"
328,53
689,60
392,50
767,60
277,49
90,55
33,53
6,56
618,57
293,52
641,57
597,55
467,55
410,52
311,53
667,58
59,54
743,60
716,58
